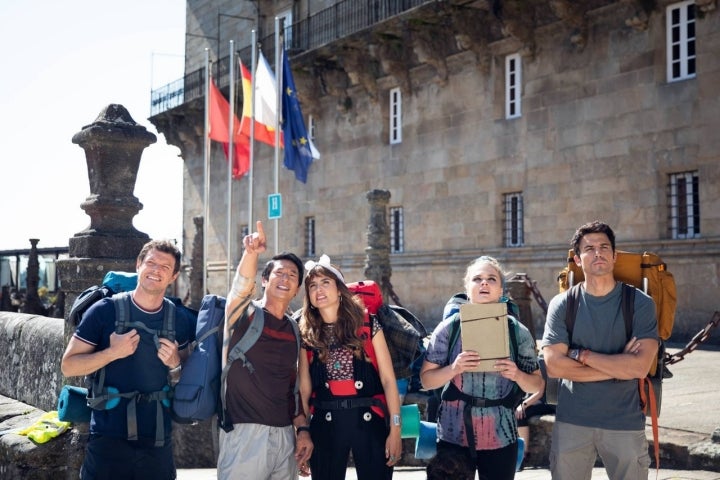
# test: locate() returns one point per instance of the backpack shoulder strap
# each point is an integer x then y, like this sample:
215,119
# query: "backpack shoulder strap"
123,323
168,330
573,301
257,323
627,303
453,336
122,311
513,331
628,308
296,390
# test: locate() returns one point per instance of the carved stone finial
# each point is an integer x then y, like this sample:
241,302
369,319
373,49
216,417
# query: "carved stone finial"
113,146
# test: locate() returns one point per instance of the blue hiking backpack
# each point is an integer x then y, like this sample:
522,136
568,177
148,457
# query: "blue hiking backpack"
197,392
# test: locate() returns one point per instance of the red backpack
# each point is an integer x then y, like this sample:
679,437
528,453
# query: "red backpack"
404,332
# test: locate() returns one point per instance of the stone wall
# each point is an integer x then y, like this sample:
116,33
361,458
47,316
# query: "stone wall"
33,346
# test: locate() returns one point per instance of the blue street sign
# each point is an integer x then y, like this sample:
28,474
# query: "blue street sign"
274,206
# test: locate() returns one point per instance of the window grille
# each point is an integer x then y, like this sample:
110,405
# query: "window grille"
397,230
514,233
684,202
311,127
310,236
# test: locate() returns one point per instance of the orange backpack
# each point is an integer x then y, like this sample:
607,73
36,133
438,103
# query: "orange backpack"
645,271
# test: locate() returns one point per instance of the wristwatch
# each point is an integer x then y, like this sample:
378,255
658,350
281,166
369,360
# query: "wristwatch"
396,420
574,353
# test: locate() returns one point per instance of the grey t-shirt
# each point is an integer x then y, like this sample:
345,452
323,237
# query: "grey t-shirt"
600,327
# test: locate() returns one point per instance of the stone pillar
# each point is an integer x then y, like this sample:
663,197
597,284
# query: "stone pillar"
377,253
113,146
196,265
519,292
32,302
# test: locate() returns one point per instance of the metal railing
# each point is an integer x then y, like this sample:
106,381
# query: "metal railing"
342,19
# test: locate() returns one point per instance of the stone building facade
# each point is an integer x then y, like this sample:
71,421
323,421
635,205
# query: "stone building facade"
497,126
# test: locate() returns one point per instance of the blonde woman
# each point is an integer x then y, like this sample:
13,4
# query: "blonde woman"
477,412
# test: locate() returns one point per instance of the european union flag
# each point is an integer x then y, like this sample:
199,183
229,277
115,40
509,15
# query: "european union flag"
299,149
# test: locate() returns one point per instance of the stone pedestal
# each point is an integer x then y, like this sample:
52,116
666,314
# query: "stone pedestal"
377,253
519,292
113,146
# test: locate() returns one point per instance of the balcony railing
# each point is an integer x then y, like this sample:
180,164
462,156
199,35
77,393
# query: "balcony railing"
344,18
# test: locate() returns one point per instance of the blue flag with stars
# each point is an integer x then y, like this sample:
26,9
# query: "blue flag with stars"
299,149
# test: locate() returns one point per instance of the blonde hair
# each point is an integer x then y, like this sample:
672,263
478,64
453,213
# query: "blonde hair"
485,260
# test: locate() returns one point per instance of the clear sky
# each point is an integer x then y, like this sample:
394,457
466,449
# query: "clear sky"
63,62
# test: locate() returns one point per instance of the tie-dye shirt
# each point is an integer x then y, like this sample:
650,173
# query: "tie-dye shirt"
494,427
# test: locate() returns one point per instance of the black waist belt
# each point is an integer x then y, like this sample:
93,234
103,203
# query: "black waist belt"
346,403
453,393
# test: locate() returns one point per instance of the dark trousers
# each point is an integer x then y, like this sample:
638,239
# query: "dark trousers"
346,431
109,458
496,464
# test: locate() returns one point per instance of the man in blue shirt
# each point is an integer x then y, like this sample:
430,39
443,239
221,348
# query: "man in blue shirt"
130,438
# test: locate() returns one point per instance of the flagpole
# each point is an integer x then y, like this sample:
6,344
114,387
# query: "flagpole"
278,86
206,173
231,151
253,61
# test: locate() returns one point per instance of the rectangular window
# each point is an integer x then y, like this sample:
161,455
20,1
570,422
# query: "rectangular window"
286,20
684,201
309,236
397,230
680,41
395,116
513,83
514,234
311,127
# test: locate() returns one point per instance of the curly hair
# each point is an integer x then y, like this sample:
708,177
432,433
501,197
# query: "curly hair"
351,315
